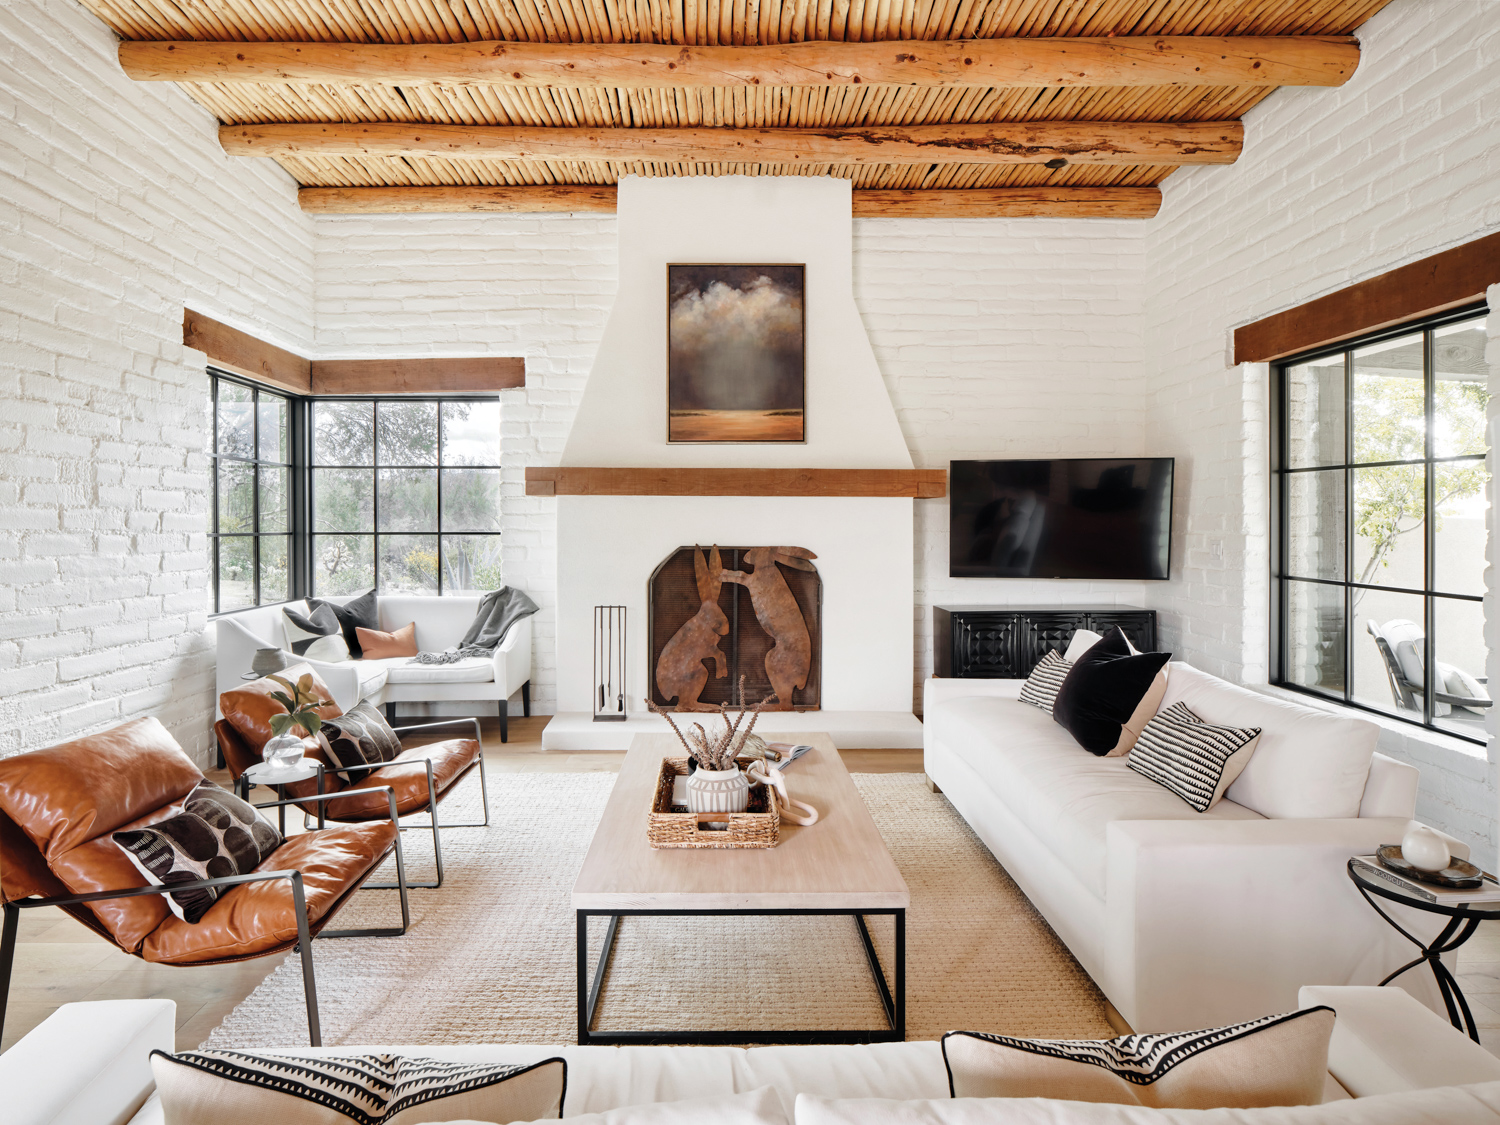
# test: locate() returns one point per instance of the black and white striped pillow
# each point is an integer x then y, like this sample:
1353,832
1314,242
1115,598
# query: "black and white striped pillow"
1279,1060
1040,689
229,1087
1194,759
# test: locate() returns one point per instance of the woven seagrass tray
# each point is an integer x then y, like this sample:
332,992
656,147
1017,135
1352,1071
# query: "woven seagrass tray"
757,827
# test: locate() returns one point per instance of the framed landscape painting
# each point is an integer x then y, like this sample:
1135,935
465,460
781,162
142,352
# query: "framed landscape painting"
735,353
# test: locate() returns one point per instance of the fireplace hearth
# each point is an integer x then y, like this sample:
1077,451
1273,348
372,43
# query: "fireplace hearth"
697,611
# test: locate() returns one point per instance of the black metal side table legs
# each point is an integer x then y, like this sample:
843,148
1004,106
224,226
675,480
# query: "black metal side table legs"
1463,920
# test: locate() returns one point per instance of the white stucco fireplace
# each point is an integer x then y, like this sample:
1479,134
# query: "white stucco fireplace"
608,546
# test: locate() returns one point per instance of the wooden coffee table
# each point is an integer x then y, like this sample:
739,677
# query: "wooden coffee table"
838,866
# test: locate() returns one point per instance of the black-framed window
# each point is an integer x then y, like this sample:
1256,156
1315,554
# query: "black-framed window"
405,495
1376,604
250,530
327,496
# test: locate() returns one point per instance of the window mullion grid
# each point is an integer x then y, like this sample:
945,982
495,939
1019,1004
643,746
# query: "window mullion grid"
1348,525
375,492
1429,539
255,489
213,389
440,499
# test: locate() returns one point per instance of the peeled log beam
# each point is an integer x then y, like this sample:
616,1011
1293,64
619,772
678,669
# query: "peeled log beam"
1012,203
1182,60
407,200
1025,142
1055,202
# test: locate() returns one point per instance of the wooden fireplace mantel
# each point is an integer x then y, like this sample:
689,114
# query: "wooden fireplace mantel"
919,484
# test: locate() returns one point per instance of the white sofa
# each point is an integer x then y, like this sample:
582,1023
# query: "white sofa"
88,1064
441,624
1183,919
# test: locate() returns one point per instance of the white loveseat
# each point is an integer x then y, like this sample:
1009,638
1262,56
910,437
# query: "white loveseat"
1187,920
441,623
88,1064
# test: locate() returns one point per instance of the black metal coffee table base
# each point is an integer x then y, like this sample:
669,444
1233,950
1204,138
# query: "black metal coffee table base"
892,1000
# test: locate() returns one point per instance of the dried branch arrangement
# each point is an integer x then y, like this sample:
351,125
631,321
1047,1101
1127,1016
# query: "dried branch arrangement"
719,750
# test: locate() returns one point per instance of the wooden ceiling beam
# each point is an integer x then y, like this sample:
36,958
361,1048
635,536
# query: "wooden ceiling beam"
1156,60
1025,142
1053,202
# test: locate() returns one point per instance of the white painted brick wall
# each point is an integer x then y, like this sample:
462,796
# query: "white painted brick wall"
1014,338
1334,186
538,286
117,208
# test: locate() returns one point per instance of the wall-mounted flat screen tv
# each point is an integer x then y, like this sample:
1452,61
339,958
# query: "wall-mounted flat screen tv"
1068,518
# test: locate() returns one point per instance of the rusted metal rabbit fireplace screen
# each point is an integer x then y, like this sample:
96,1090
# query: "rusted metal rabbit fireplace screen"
720,613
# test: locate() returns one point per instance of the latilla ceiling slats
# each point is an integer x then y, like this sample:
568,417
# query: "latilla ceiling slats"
711,22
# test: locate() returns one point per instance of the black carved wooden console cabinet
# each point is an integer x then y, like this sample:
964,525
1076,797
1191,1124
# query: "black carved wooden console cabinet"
1005,642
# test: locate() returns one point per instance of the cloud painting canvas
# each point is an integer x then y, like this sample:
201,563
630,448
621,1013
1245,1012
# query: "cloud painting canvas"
735,353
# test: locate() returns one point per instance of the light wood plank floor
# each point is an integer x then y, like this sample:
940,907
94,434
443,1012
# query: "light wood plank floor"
59,961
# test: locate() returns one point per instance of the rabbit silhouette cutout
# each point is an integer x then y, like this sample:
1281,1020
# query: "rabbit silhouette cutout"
680,670
790,659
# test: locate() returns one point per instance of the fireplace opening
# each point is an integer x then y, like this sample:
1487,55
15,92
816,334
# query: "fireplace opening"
706,612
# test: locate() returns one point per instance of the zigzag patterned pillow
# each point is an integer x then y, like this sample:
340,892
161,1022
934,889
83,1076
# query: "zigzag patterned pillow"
1040,688
1276,1060
234,1087
1194,759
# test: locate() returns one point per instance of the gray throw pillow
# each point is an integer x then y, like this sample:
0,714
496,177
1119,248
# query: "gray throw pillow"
216,835
358,737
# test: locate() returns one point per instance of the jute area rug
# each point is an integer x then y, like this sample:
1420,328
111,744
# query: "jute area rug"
490,955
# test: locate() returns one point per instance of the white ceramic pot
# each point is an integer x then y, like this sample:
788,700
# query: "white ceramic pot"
723,791
1424,849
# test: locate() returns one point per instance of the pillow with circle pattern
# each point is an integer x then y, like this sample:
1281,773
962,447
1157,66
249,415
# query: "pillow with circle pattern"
215,835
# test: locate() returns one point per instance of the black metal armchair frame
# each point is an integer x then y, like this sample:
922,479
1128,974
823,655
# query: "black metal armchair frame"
10,927
432,803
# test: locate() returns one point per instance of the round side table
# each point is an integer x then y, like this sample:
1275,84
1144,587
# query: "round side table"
279,779
1463,920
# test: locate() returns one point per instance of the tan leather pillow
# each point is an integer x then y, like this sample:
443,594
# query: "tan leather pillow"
377,645
1274,1061
249,709
242,1087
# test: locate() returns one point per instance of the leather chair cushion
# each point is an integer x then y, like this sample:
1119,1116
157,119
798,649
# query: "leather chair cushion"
69,794
259,917
249,709
407,776
100,865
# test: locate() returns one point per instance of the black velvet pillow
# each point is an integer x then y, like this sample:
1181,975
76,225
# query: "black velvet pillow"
361,613
1103,689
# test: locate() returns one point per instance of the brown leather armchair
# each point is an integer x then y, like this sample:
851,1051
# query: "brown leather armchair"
421,777
59,807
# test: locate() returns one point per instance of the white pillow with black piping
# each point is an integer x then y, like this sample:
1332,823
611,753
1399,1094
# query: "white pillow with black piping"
1279,1060
243,1087
1196,760
316,635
